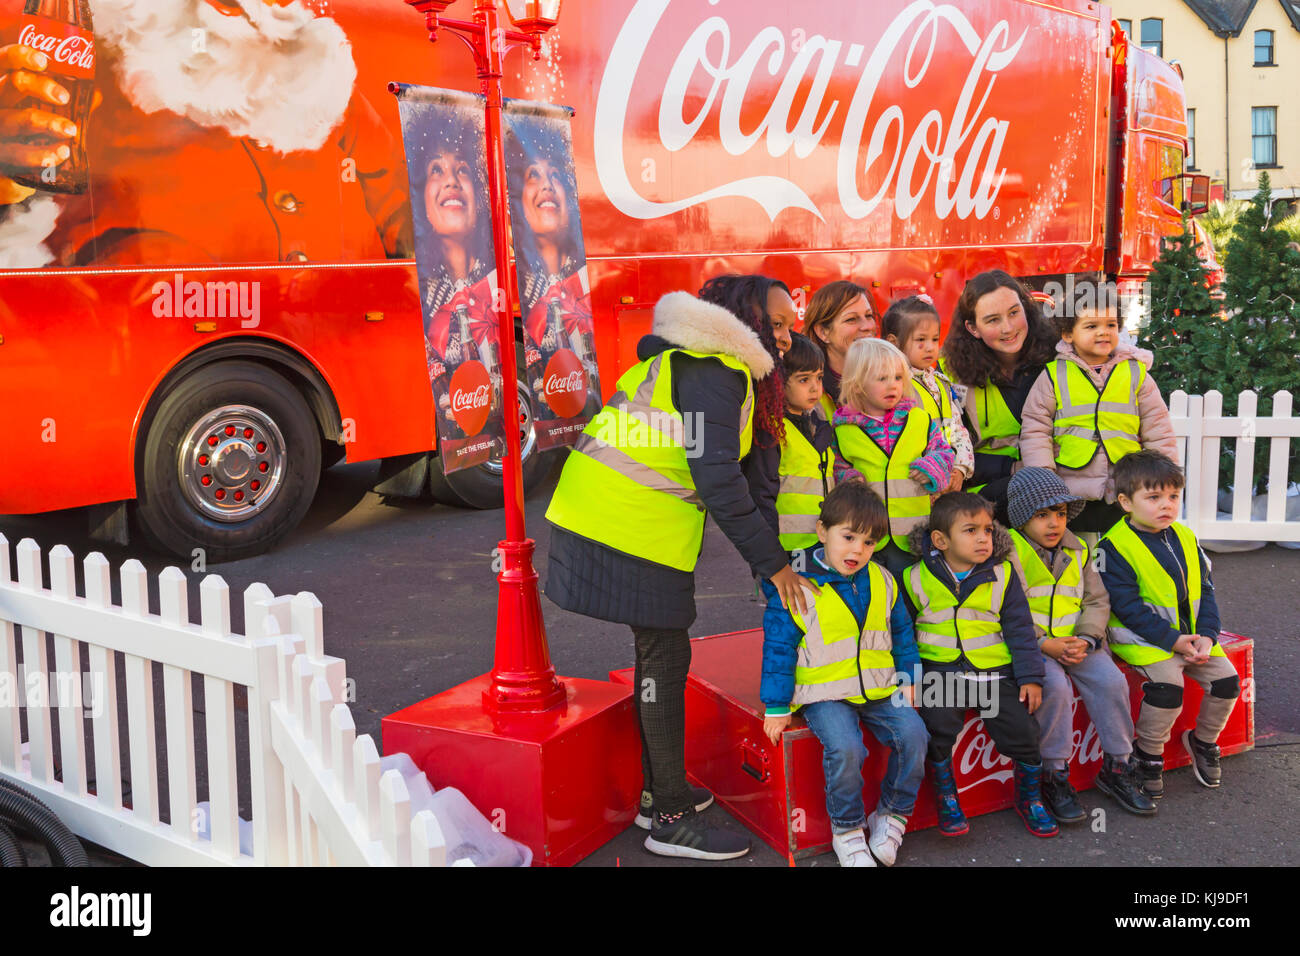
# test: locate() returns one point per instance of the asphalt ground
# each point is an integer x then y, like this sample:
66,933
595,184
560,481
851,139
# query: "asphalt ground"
410,602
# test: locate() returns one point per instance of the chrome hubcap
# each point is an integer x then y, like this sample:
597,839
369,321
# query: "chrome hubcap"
527,433
231,463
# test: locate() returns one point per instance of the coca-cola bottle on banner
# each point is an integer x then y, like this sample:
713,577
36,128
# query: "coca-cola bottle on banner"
490,350
468,347
64,32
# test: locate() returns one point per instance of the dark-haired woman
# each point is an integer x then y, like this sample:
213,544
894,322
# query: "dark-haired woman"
628,518
838,314
997,345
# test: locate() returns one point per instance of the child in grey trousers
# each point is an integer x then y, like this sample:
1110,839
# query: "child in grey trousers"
1070,608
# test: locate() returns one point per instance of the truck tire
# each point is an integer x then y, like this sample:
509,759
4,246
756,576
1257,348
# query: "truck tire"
230,465
483,486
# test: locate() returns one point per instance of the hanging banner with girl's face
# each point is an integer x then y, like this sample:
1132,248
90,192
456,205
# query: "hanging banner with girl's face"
551,262
447,165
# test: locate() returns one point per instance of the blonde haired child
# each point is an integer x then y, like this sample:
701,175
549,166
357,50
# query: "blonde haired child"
884,437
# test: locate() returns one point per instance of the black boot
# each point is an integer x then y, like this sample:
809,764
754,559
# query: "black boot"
1061,798
1120,781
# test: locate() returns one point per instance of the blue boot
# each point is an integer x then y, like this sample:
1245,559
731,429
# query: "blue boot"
1029,801
952,822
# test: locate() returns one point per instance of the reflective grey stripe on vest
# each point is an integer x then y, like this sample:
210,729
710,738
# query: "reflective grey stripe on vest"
1069,409
872,679
796,524
897,488
1074,431
629,467
801,485
1122,635
1007,441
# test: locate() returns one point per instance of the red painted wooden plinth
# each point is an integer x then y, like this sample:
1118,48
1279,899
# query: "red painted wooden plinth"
779,791
564,782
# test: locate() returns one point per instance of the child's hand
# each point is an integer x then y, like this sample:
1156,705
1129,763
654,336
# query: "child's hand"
920,477
1031,695
908,693
773,726
1075,650
1203,647
1186,645
1053,647
956,481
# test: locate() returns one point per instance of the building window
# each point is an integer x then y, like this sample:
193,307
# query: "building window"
1191,139
1263,128
1127,27
1264,48
1153,36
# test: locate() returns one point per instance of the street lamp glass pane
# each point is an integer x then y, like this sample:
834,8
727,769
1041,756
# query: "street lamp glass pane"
522,11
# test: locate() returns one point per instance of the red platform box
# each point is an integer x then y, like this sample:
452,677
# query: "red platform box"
564,782
779,791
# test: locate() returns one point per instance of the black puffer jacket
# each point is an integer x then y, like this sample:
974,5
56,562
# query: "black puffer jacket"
592,579
1017,622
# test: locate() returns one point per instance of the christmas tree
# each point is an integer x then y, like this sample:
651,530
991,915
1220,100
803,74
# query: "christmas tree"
1262,301
1184,332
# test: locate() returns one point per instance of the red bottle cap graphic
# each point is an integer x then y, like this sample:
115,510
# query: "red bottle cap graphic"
565,384
471,397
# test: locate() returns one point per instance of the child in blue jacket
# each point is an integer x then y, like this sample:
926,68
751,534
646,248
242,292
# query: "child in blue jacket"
841,664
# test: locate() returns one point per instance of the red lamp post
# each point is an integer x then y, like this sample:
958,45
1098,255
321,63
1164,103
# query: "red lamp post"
558,764
522,678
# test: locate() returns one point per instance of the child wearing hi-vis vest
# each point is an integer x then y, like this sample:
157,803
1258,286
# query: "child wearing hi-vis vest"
976,639
1070,609
846,663
1164,621
913,325
885,438
1092,405
789,477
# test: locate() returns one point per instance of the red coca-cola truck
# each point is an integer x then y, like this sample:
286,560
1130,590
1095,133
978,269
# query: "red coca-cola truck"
232,303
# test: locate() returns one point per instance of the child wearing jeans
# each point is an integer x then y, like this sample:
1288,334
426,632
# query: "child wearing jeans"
1070,609
1164,621
976,640
789,477
912,324
885,438
1092,405
841,664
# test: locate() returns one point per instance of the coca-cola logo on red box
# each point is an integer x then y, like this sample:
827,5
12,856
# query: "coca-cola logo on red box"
471,397
71,50
564,384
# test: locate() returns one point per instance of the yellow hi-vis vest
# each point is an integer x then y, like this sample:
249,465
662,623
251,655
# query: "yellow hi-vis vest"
838,660
826,407
999,430
1158,591
906,501
627,483
1055,604
946,629
1084,415
806,479
940,411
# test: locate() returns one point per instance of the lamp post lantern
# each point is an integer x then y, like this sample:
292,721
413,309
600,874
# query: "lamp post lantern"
522,678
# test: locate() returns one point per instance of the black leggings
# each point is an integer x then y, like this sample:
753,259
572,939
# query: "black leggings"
663,658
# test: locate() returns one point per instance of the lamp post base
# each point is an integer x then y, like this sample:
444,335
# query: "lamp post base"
564,781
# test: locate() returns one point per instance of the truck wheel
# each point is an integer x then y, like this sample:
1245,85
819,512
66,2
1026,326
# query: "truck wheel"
231,463
482,487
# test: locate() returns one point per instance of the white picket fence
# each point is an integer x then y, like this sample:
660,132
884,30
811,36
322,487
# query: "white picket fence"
317,795
1202,428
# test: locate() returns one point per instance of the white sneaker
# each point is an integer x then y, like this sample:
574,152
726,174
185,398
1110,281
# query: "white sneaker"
851,848
886,836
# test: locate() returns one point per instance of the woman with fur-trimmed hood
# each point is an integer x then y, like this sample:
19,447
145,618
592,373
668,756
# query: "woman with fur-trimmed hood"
624,546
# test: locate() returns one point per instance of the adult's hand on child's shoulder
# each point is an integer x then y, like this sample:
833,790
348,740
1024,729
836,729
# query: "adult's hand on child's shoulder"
790,587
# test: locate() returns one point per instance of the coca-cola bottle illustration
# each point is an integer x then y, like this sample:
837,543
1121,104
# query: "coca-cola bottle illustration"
468,347
64,32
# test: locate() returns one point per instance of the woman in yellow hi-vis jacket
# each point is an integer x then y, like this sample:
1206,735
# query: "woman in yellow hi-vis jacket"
628,515
996,348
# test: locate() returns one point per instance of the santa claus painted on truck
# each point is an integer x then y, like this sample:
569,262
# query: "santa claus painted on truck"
223,132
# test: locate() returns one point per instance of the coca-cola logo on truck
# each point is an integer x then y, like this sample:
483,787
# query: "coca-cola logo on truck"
890,152
71,50
564,384
471,397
